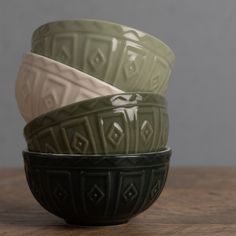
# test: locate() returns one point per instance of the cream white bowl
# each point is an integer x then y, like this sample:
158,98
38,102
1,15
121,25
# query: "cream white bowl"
44,84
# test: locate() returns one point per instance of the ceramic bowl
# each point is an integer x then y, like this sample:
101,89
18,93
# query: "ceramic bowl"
124,123
96,190
44,84
127,58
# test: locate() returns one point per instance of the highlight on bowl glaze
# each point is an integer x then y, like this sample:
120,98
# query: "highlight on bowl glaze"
124,123
125,57
44,84
96,190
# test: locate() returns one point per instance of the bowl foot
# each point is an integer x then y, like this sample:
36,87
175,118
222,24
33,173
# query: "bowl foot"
95,223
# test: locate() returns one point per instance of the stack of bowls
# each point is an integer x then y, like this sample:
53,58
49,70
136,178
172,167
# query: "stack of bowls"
91,93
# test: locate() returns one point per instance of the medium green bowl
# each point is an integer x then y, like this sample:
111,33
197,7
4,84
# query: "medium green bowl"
127,58
124,123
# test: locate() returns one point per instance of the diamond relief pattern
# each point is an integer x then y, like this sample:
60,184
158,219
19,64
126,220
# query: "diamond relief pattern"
96,194
146,131
113,130
143,47
156,188
63,55
60,193
115,134
80,143
97,59
131,69
50,101
130,193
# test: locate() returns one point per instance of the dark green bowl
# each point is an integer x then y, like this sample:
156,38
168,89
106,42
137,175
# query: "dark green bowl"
127,58
124,123
96,190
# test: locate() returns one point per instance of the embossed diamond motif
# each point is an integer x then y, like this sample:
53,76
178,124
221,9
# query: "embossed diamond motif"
131,69
156,188
95,194
146,131
130,193
115,134
50,101
80,143
60,193
97,59
63,55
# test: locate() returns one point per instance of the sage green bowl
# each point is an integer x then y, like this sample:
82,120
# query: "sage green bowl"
116,124
127,58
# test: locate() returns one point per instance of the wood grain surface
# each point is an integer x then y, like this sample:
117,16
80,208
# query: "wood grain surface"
195,201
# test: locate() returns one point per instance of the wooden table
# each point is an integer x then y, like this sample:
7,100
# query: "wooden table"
195,201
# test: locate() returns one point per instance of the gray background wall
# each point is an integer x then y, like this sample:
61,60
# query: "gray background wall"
201,95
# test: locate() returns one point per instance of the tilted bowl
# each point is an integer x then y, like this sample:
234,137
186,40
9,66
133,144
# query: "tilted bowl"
127,58
44,84
123,123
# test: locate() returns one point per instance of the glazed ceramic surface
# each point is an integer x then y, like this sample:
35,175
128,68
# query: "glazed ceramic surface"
122,56
96,190
124,123
44,84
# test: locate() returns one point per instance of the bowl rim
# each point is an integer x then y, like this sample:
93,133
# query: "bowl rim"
162,152
171,57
